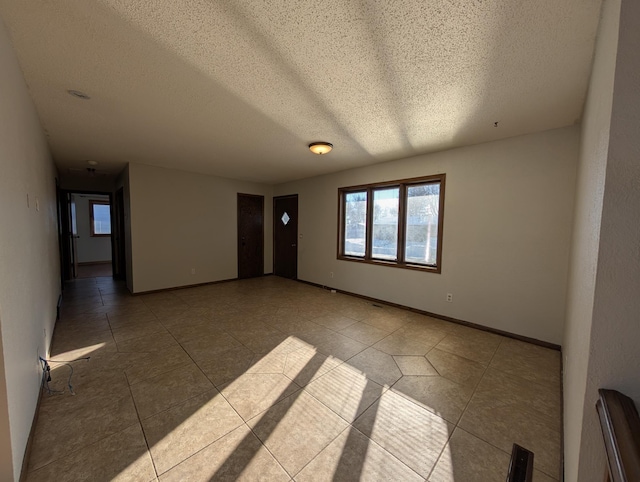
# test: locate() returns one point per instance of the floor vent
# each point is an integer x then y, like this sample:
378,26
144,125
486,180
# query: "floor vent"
521,465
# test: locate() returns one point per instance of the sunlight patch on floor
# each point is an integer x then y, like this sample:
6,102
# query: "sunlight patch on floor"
61,358
392,427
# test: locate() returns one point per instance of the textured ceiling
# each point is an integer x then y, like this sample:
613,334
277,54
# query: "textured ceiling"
238,88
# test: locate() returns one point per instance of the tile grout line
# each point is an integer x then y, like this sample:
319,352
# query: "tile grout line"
144,433
430,363
182,402
267,448
351,427
455,426
475,389
332,410
348,427
81,448
435,464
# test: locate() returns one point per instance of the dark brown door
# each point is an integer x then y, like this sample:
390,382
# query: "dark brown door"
65,237
73,235
285,236
250,235
117,228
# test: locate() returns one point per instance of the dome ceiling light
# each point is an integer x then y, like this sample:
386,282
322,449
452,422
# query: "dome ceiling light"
320,147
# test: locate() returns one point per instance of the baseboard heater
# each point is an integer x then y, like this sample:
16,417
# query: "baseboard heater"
521,465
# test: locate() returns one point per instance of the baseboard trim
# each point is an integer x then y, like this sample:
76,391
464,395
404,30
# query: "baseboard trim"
92,263
515,336
183,287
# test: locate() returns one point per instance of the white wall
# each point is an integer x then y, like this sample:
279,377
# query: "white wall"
90,249
586,233
29,257
613,359
181,220
507,227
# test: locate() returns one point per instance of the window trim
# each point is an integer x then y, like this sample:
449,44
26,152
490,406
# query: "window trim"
402,184
92,232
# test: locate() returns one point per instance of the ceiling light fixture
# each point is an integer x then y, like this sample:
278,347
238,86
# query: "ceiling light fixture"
78,94
320,147
92,163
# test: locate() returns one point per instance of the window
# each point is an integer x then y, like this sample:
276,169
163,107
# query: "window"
384,235
100,213
355,226
396,223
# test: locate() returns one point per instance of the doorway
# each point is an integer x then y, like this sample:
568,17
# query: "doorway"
285,236
250,236
85,222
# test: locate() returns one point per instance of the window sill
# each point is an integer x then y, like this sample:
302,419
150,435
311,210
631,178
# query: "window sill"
392,264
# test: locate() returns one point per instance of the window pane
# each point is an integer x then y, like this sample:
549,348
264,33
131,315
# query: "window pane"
385,223
101,219
423,202
355,223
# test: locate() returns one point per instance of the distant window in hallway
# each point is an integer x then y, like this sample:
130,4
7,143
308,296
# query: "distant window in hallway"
100,213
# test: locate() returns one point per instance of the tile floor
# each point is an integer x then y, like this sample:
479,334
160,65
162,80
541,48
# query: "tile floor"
271,379
94,270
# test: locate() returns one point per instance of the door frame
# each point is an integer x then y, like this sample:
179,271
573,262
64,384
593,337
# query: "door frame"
60,208
118,245
275,221
65,259
261,197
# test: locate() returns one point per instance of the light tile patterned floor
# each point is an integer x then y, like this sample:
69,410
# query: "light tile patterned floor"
271,379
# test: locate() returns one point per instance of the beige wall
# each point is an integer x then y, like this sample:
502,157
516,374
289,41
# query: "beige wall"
507,227
181,220
29,259
613,355
586,233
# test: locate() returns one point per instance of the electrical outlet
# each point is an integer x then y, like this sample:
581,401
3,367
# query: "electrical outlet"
331,274
449,297
193,271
